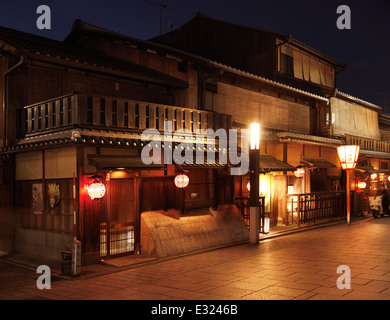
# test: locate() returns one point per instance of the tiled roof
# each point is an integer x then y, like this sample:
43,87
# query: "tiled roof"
317,163
269,163
17,42
286,136
120,162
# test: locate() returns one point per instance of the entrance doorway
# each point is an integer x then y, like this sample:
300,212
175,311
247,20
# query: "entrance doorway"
118,219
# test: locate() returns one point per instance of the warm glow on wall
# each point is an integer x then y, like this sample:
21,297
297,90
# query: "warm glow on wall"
348,156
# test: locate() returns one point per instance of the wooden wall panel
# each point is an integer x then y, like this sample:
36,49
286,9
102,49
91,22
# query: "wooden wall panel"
350,118
247,106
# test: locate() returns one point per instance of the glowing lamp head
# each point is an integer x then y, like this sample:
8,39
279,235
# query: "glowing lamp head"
96,190
348,156
254,136
182,181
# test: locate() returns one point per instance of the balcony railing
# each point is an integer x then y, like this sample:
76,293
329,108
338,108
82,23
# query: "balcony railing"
368,144
82,110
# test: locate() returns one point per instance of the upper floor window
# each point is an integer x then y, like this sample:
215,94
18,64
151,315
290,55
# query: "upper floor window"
301,65
286,64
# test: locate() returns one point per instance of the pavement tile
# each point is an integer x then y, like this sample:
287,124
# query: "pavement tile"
284,291
259,295
230,291
301,266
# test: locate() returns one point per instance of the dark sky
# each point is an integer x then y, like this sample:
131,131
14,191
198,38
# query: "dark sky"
365,48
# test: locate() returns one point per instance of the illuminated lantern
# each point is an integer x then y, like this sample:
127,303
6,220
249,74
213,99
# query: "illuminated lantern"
182,181
361,184
248,186
300,172
348,156
96,190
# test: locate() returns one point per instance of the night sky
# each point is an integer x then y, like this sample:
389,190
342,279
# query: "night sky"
365,48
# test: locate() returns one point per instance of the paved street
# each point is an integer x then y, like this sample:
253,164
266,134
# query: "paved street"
298,266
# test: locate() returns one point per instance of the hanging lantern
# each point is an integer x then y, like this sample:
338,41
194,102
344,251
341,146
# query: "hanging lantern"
299,173
248,186
348,156
96,190
361,184
182,180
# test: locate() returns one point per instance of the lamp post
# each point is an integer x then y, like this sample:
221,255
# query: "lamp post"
348,156
182,181
254,164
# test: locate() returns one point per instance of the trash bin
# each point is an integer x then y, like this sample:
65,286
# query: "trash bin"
66,262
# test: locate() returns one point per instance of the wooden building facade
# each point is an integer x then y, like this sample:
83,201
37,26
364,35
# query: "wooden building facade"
290,88
71,112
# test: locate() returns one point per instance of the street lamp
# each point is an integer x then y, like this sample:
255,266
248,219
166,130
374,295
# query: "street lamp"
254,166
348,156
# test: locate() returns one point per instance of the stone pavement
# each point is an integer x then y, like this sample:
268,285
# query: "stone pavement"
297,266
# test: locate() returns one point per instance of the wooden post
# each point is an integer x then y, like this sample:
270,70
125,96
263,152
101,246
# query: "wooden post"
348,199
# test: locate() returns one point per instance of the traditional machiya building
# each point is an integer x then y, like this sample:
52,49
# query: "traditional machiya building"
73,115
290,88
74,112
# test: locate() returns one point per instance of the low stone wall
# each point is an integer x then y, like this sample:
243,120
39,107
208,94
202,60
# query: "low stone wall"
165,234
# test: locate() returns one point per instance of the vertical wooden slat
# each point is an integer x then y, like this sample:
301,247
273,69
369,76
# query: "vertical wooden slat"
41,124
170,117
80,106
188,117
131,115
120,113
179,119
36,118
49,107
210,120
161,117
65,110
203,120
196,121
74,105
29,120
142,116
95,111
108,113
152,116
58,111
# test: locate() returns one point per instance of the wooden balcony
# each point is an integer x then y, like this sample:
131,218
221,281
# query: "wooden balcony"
109,113
368,144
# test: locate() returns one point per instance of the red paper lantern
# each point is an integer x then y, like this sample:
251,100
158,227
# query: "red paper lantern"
96,190
299,173
182,181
